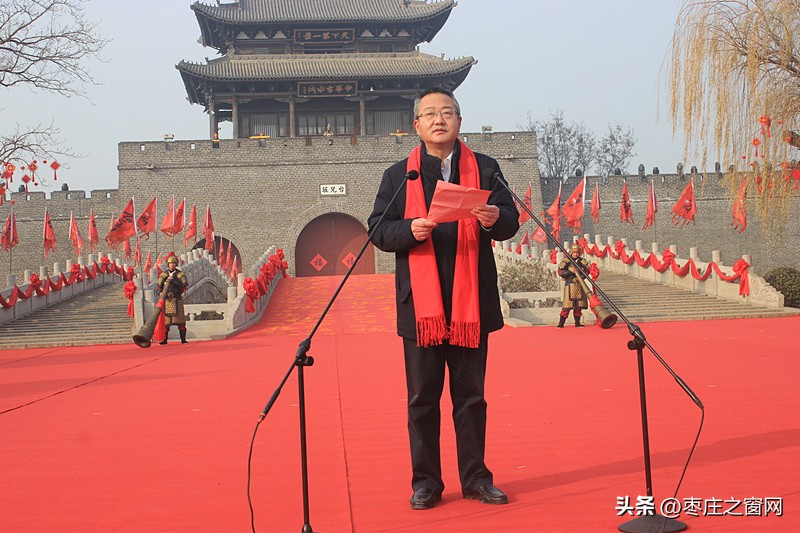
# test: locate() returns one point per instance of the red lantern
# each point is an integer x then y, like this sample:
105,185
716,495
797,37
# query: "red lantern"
765,124
756,142
55,166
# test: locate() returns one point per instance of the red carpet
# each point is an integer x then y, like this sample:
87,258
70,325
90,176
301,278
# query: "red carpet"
117,438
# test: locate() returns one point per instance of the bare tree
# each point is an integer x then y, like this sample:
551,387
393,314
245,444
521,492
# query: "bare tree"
563,147
735,75
615,150
43,46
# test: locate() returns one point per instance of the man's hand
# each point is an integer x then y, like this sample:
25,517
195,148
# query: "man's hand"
421,228
487,215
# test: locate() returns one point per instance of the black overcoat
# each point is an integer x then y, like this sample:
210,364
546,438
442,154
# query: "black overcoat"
393,234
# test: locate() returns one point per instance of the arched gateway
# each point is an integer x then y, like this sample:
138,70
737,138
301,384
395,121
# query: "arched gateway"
329,244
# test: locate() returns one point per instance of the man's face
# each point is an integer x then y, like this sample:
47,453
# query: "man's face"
438,123
172,266
575,254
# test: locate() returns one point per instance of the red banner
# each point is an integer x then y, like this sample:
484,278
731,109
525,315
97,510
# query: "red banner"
49,235
123,228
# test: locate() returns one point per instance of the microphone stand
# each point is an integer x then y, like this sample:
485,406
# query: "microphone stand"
302,359
652,523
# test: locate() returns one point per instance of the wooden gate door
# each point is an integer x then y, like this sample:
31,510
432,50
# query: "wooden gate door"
328,245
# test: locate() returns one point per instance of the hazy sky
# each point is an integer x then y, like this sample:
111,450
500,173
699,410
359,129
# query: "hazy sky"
597,60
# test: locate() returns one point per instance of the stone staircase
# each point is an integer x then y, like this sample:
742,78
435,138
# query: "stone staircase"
646,301
98,316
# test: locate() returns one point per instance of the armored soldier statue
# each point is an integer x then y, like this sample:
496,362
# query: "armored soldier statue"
173,299
575,298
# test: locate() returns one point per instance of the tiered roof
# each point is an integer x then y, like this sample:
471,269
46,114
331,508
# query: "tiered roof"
321,67
218,22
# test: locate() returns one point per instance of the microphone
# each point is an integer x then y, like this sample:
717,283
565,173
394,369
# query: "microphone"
489,173
412,175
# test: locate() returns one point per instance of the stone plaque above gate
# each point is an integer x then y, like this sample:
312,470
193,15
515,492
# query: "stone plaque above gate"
336,189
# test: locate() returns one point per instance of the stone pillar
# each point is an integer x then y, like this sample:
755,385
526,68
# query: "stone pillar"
362,115
292,118
235,117
213,123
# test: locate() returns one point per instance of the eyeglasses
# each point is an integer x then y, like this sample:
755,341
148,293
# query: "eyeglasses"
447,114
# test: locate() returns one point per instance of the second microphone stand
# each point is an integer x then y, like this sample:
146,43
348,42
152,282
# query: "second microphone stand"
652,523
302,360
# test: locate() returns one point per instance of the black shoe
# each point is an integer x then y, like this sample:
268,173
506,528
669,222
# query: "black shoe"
561,321
424,498
489,494
163,342
578,322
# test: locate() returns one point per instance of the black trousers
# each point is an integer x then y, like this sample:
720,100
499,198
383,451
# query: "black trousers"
425,371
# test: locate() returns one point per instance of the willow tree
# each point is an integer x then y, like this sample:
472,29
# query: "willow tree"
735,91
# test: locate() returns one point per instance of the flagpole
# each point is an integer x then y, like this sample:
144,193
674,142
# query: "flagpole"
11,238
44,236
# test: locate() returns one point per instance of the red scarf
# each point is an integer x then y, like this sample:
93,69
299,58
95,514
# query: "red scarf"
432,329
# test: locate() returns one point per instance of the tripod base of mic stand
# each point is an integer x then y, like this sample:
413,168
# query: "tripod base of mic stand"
652,524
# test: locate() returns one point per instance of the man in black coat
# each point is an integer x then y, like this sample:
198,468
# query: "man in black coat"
447,319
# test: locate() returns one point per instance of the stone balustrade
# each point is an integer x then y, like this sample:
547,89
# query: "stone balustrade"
24,307
761,292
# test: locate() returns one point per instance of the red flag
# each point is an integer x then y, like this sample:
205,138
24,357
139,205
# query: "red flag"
9,237
740,208
148,264
525,241
526,201
208,229
595,208
539,235
94,235
235,271
49,235
685,208
75,235
126,247
159,260
573,207
180,217
124,227
146,223
137,256
168,224
228,258
191,227
625,210
652,207
115,245
555,214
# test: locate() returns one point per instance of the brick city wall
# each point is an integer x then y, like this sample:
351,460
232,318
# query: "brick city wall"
261,191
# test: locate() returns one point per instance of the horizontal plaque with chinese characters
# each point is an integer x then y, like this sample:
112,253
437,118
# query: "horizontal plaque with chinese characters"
327,88
333,190
339,35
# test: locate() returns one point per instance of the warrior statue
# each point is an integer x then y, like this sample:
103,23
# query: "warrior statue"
173,302
575,298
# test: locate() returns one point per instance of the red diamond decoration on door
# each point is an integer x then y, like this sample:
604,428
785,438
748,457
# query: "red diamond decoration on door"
349,259
318,262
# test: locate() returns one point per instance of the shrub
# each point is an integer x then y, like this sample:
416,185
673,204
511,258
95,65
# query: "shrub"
528,276
787,281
